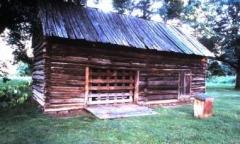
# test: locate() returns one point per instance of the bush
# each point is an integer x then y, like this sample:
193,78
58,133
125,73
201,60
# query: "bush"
216,68
14,94
23,69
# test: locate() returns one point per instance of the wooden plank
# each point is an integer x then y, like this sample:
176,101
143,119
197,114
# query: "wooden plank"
165,42
173,38
74,32
110,28
119,111
86,84
117,29
66,100
81,19
110,101
138,31
65,22
111,81
128,32
99,88
104,26
109,94
101,34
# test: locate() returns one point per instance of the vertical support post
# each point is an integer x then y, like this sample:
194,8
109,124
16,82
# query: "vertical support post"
86,84
136,87
179,80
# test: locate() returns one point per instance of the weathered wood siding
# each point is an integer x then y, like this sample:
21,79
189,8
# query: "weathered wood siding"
158,72
66,81
39,73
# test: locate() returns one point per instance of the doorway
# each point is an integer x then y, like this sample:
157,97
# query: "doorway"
185,79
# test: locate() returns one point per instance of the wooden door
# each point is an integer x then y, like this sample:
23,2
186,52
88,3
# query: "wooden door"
110,86
185,79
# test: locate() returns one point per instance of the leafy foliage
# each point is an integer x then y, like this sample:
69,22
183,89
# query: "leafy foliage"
20,17
23,69
3,72
218,27
167,9
13,93
217,68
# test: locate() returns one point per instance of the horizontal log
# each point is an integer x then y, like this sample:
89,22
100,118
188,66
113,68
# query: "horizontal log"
65,89
65,101
159,83
39,72
38,77
66,76
70,94
111,88
68,82
42,103
120,53
39,89
39,94
69,71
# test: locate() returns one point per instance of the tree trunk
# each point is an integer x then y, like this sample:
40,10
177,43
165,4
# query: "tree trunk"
237,86
2,28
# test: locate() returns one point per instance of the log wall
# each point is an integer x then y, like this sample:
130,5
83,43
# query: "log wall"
39,73
158,72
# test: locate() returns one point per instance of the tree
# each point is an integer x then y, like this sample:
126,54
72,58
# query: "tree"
23,69
166,9
19,17
218,27
3,72
141,8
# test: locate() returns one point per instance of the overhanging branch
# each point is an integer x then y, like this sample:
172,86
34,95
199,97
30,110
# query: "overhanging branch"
232,64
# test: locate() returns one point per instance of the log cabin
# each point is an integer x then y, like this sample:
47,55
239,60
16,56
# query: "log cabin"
84,56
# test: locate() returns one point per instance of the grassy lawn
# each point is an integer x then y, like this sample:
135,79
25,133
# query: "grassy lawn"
26,125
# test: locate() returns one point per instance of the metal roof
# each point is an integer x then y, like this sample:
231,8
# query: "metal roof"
66,20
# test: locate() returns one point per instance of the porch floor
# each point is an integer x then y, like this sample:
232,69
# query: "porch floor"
119,111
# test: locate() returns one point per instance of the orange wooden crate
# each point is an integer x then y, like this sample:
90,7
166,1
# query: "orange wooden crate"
203,107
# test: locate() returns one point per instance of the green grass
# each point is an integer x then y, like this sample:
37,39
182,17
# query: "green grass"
26,125
221,81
